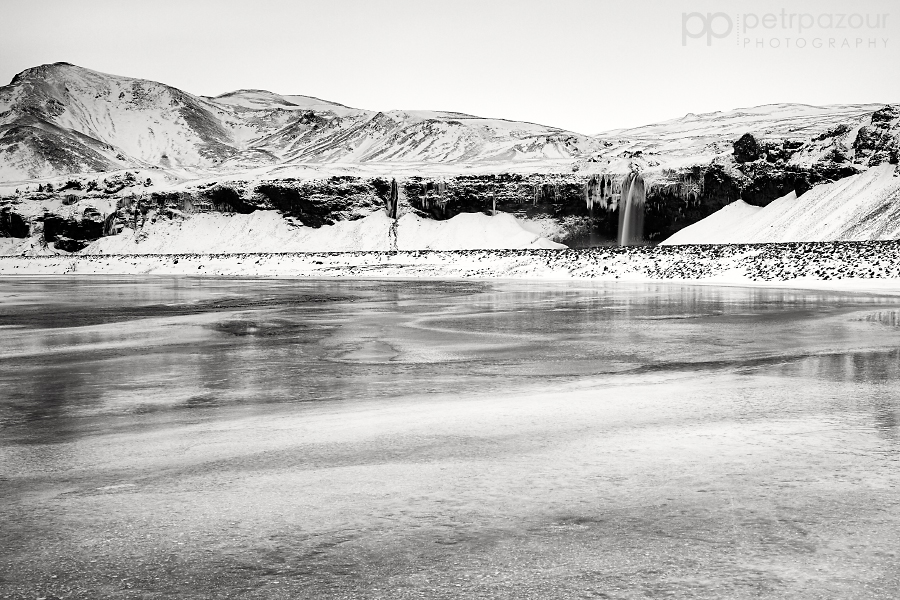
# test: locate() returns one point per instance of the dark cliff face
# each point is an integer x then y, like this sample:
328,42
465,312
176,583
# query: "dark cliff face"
12,224
879,142
322,203
72,234
558,197
766,182
311,203
525,195
673,202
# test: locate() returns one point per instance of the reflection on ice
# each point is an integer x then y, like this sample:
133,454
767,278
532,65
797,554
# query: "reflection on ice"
200,438
92,349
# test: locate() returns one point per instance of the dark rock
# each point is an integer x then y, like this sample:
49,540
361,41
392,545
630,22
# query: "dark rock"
838,154
84,230
12,224
317,203
886,114
783,150
72,184
69,245
116,183
747,149
835,131
766,182
225,199
879,142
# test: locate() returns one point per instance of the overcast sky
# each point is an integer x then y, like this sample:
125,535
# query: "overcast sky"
585,65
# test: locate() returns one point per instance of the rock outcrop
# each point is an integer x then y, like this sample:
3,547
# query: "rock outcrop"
747,149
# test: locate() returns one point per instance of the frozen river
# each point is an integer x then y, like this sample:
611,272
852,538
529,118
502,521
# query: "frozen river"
209,438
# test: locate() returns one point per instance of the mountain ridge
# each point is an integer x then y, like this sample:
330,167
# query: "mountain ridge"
109,122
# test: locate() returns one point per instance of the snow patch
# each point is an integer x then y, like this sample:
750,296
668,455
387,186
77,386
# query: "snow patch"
267,231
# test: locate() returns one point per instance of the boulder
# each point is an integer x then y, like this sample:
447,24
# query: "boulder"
747,149
69,245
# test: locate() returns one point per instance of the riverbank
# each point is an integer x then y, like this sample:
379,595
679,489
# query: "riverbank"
828,265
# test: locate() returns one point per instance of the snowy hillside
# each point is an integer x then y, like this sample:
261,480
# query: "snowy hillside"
700,138
59,119
861,207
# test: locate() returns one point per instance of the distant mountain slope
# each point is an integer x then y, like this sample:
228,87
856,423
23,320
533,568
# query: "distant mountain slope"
59,119
699,138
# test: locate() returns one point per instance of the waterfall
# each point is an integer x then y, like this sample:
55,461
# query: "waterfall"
631,210
390,205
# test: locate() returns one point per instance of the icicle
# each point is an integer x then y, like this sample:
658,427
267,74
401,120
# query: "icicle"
593,192
109,223
391,203
590,193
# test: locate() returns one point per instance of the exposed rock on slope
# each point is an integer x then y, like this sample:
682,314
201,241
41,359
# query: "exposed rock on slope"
879,142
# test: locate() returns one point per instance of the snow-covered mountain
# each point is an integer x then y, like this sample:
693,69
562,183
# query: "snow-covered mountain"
59,119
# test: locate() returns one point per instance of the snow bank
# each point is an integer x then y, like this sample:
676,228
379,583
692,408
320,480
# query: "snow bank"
858,208
268,231
857,266
21,246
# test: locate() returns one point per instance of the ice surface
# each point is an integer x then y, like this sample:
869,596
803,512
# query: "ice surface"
198,437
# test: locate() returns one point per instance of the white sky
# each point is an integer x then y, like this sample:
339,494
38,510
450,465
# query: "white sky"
585,65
